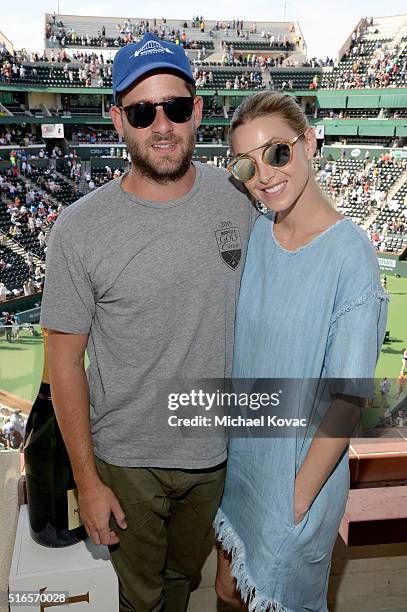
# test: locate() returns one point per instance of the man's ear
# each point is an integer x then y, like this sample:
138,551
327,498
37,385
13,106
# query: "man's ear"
198,110
117,118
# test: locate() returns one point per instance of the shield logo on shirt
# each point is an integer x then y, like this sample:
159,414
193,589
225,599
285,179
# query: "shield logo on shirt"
230,246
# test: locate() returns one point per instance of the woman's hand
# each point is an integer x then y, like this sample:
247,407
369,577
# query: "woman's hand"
301,503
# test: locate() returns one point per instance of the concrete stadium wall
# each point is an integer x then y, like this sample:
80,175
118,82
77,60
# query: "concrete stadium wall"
390,264
357,151
50,100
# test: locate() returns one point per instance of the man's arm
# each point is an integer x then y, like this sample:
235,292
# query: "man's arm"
70,396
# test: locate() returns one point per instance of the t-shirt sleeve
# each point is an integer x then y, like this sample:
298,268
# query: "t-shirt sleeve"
68,303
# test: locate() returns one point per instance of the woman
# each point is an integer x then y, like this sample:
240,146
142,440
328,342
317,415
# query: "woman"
312,308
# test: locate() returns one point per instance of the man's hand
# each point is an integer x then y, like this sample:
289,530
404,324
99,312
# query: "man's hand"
96,504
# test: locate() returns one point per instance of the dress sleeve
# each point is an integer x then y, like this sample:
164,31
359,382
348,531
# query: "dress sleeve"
355,338
68,303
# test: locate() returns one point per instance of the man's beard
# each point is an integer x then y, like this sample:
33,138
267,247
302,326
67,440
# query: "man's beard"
167,169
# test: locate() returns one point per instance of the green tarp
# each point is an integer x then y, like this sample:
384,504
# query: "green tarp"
371,101
376,130
331,101
393,100
401,130
341,130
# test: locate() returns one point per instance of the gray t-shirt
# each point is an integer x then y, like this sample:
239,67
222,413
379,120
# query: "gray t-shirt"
155,285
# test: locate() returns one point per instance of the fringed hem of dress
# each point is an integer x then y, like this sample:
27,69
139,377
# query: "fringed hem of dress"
233,545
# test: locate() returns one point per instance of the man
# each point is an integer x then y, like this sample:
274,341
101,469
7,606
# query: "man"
384,391
144,272
8,324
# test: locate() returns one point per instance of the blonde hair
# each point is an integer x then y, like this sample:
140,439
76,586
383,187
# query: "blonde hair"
268,103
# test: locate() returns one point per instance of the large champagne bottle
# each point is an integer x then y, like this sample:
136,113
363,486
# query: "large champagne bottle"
51,491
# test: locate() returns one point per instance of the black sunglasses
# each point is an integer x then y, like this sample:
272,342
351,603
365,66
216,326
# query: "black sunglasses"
142,114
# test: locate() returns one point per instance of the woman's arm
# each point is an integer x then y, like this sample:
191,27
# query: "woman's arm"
330,440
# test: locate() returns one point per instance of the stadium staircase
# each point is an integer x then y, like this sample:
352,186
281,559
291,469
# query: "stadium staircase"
369,220
396,186
5,110
35,186
392,192
214,58
86,168
17,248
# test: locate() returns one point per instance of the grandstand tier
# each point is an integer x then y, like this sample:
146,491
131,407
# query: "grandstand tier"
58,143
57,140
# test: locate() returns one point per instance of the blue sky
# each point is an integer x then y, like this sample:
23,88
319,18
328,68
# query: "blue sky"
325,25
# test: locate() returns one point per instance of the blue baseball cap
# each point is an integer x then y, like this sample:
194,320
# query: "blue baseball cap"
151,53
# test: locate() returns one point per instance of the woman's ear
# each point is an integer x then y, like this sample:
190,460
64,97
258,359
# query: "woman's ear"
310,142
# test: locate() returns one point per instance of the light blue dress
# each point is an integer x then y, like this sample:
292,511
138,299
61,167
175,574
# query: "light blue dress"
315,313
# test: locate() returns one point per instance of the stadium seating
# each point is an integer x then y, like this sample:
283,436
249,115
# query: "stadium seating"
353,69
95,135
25,238
375,178
300,79
220,78
262,46
14,276
65,193
280,65
394,214
357,211
93,27
48,76
101,176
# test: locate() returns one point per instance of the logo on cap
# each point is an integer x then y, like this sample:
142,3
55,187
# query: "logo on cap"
151,47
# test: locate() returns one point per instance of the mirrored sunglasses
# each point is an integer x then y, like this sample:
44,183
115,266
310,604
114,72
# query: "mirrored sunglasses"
275,154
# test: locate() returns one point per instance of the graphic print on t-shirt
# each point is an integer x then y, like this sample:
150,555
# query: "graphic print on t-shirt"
229,244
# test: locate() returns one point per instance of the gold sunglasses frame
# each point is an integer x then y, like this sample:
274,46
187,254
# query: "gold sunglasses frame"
290,143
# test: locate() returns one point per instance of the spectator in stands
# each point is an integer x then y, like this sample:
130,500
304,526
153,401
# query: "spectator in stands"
384,391
274,148
404,361
157,112
13,430
401,381
41,239
28,287
3,264
3,292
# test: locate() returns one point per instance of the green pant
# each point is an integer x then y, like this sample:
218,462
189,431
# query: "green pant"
169,514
